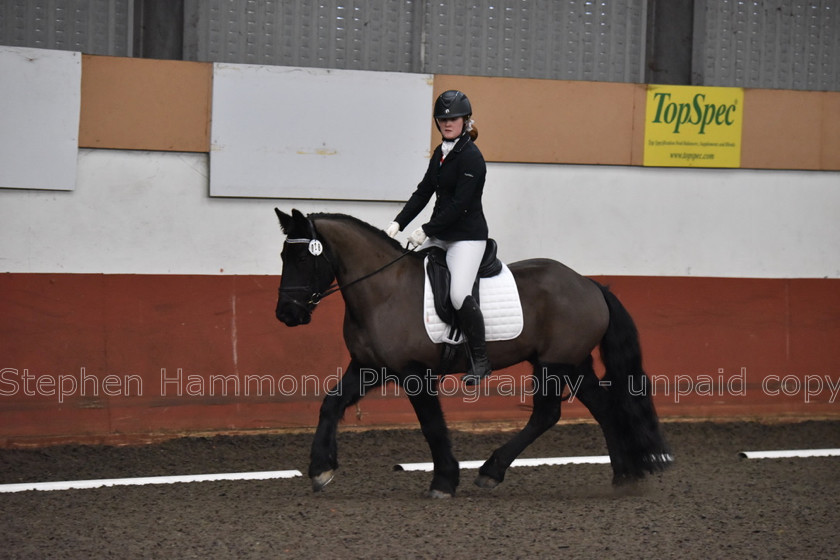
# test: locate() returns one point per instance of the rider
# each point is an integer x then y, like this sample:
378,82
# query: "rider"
456,176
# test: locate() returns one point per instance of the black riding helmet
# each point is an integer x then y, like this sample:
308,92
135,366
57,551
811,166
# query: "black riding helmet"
451,104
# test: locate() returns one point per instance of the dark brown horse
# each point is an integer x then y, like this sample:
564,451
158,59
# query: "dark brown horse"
566,316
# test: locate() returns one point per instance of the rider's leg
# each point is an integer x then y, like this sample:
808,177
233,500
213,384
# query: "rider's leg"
463,259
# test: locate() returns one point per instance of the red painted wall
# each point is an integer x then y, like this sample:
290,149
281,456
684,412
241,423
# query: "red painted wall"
107,357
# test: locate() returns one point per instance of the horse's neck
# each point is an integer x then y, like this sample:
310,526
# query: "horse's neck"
357,251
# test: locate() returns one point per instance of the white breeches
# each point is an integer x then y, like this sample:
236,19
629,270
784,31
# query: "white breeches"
463,259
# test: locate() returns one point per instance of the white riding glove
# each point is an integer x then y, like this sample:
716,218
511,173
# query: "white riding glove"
418,237
393,229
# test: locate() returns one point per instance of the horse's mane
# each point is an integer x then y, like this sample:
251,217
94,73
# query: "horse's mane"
373,230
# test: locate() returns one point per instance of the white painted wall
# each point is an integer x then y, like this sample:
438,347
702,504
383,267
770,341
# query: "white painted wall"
669,222
151,213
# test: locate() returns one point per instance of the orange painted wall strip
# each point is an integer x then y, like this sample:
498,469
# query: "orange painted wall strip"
551,121
830,131
143,104
784,130
144,350
546,121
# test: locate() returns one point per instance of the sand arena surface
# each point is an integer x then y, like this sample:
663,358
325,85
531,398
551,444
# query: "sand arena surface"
710,504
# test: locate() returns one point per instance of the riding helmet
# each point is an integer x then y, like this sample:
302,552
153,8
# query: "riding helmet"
451,104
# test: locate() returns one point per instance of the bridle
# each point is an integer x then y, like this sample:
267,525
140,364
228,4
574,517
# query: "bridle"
315,297
316,249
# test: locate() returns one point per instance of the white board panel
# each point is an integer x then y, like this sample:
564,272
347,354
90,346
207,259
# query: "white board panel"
287,132
39,118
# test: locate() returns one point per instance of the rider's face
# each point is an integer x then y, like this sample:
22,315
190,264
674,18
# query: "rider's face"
451,128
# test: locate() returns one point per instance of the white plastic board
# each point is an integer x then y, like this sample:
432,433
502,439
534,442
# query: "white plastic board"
287,132
39,118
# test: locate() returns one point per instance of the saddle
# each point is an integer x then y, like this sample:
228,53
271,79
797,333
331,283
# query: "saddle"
440,277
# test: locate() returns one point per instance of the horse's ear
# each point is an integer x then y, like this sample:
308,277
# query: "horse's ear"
304,223
286,221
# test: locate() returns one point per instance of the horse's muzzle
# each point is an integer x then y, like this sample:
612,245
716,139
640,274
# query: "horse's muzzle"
291,313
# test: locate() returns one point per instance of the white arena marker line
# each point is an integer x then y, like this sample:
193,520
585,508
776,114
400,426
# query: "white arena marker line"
789,453
592,459
84,484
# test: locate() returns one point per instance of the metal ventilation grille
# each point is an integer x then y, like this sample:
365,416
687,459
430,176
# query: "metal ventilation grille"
361,35
785,44
573,39
791,44
90,26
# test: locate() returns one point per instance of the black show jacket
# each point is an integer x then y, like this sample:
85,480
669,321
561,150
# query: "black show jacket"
458,183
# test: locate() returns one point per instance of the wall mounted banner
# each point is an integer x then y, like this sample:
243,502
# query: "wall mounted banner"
688,126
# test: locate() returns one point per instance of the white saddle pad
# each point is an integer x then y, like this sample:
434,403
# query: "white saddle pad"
500,305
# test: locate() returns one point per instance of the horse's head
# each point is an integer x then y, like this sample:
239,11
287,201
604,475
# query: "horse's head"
307,272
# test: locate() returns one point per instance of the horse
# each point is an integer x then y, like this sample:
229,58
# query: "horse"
566,316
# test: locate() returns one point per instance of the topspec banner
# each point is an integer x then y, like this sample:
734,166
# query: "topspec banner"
687,126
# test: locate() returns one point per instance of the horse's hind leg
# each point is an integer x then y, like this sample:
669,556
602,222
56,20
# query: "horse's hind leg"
548,396
430,415
324,454
594,396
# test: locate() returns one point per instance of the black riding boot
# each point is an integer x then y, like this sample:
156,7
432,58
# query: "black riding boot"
472,324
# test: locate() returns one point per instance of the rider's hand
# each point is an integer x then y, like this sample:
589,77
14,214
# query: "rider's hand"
418,237
393,229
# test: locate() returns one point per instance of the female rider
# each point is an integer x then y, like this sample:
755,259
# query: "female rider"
456,176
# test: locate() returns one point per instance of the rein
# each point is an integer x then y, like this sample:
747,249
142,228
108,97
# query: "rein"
336,288
316,249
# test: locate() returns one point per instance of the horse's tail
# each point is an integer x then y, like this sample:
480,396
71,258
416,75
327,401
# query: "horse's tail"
639,446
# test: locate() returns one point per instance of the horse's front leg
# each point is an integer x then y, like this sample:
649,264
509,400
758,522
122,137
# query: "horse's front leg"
430,414
323,458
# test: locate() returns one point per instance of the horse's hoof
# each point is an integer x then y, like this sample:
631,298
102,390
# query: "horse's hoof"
321,480
438,494
484,481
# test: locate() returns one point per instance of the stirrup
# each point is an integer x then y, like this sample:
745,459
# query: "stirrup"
477,372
